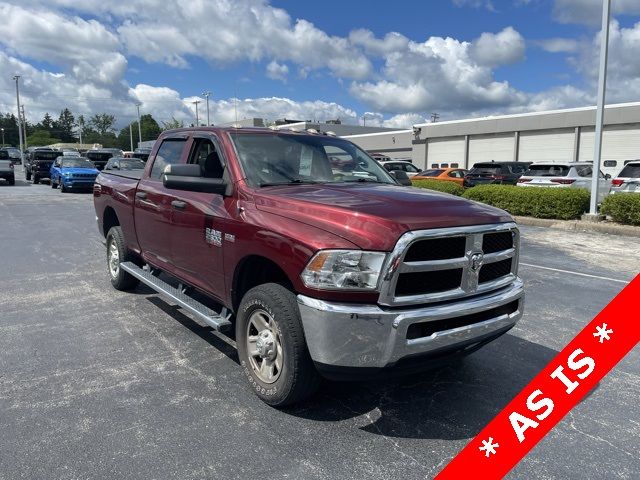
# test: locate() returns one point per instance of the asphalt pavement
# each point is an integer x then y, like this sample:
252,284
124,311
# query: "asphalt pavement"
96,383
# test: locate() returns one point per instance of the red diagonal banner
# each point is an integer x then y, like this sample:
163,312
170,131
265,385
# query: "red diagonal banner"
554,391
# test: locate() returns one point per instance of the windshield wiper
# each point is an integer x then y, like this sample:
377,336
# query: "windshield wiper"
363,180
292,182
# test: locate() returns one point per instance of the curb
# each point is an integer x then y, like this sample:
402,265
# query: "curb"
580,226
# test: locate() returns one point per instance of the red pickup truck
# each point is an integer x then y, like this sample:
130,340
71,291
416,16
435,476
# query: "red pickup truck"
322,262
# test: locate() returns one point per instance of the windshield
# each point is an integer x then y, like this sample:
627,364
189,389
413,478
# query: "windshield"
630,171
431,173
76,162
45,155
99,156
131,164
547,171
288,159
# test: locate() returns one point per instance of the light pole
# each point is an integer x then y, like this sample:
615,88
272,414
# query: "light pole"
196,102
2,136
16,78
206,95
24,127
139,127
131,135
602,86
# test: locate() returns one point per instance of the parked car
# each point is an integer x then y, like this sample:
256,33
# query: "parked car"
409,168
628,180
321,271
506,173
6,168
14,154
564,175
141,153
123,163
72,173
70,153
39,165
455,175
380,157
100,156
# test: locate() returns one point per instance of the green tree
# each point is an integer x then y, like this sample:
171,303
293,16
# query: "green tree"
46,123
149,128
64,126
41,138
102,123
173,123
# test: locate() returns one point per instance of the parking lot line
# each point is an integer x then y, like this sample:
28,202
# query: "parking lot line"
575,273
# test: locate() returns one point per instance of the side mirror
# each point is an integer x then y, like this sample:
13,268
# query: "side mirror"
607,177
188,177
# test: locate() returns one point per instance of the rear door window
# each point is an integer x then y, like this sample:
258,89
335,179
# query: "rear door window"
630,171
518,169
169,153
584,170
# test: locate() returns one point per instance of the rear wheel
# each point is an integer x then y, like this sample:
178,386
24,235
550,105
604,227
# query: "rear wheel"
28,175
12,181
36,180
116,254
272,348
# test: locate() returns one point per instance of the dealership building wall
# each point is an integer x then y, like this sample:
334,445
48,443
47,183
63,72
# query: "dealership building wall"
396,144
558,135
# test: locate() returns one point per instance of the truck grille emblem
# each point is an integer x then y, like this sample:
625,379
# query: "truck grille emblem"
475,262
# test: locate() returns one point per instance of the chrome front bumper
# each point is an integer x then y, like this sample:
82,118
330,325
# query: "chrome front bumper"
366,336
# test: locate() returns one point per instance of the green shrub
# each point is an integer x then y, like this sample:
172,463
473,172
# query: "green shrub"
622,208
560,203
439,185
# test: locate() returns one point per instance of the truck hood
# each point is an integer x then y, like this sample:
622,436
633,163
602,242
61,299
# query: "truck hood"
373,216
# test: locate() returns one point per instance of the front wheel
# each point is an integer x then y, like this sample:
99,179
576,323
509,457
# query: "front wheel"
28,175
53,184
272,348
36,180
116,254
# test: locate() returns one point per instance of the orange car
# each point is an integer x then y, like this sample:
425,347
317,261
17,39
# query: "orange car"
445,174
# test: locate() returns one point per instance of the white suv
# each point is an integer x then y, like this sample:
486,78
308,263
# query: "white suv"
628,180
564,175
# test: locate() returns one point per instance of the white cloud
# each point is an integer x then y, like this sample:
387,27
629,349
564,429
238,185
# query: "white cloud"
487,4
84,46
391,42
559,45
502,48
443,74
590,11
277,71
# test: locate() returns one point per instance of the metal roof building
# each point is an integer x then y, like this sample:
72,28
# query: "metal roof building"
557,135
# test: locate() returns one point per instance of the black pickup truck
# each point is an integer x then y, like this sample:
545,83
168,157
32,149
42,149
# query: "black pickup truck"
39,164
100,157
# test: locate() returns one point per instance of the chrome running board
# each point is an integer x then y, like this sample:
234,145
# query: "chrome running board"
219,321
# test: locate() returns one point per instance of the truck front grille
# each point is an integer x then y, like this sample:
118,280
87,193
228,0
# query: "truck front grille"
442,264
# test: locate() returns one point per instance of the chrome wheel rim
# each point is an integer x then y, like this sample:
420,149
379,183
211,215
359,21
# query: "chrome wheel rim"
264,348
113,259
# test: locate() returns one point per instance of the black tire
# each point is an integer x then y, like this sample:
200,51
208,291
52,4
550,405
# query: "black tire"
36,180
120,279
62,188
28,175
12,181
53,184
298,378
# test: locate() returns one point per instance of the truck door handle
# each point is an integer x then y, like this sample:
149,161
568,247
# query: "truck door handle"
142,195
180,205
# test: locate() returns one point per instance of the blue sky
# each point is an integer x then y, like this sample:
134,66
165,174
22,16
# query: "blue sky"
398,60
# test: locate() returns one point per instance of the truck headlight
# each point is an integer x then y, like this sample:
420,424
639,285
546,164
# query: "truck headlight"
344,269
